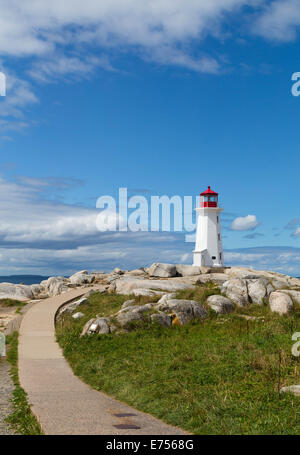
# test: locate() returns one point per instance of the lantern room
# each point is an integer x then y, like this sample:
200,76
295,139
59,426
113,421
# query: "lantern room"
209,198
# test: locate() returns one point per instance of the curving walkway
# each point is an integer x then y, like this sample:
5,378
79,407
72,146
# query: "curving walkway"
62,403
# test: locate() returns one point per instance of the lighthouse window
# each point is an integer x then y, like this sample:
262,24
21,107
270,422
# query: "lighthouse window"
220,256
213,257
219,236
217,219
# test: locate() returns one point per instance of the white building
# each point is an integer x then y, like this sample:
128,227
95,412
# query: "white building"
208,248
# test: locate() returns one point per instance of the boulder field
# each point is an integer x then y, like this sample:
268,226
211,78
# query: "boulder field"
238,286
234,287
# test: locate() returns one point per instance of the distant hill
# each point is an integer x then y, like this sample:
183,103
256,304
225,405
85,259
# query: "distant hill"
23,279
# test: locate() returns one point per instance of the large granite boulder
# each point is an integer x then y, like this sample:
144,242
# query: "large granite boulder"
295,295
71,307
16,292
188,270
55,285
220,304
166,297
124,318
257,290
280,284
280,303
81,278
162,270
37,290
161,319
185,310
126,285
146,292
237,291
96,325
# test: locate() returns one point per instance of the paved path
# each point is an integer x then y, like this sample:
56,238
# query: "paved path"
6,392
62,403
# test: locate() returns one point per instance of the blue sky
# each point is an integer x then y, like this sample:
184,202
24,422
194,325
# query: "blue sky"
161,97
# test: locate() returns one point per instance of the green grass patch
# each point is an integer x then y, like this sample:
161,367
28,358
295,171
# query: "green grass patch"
220,376
12,303
21,418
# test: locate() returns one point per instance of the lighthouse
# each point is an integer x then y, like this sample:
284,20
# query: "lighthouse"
208,248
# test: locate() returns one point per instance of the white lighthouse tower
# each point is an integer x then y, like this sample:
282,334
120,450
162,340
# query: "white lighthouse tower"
208,248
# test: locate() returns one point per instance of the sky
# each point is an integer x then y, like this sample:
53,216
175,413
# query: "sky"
162,97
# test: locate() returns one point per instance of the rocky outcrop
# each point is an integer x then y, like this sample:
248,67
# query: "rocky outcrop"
81,278
161,318
19,292
126,285
189,270
257,290
220,304
96,325
55,285
184,310
71,307
162,270
237,291
280,303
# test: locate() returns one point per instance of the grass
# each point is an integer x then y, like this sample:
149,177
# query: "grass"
12,303
221,376
21,418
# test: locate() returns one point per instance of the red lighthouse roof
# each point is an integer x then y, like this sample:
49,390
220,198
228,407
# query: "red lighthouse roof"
209,192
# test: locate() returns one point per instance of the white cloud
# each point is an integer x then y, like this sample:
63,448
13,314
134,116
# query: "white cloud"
71,39
297,232
38,235
279,20
245,223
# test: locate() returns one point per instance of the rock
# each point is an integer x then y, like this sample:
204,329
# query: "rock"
37,289
295,295
294,389
137,308
220,304
257,290
146,292
137,272
188,270
166,297
280,303
81,272
236,290
280,284
162,270
161,319
126,317
16,292
185,310
55,285
294,281
128,303
217,278
118,271
126,285
96,325
81,278
77,315
71,307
